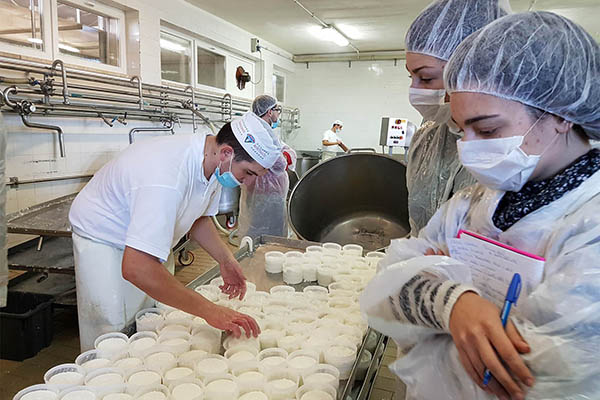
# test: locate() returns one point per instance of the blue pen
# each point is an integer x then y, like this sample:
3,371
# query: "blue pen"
511,298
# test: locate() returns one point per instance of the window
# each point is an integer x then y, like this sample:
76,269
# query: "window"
22,23
175,58
211,68
279,87
88,35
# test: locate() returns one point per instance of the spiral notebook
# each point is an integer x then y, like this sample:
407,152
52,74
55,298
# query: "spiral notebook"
493,264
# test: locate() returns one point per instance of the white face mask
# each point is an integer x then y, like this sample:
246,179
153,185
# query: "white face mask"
499,163
426,101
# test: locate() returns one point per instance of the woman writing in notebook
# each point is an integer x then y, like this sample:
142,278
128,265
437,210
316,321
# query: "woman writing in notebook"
525,90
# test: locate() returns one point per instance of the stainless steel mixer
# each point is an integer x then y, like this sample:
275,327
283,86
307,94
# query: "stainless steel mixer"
355,198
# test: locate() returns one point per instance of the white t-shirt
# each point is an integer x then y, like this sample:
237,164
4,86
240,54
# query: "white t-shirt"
330,136
149,196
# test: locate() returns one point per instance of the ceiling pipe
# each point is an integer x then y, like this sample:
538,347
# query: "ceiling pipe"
390,55
326,25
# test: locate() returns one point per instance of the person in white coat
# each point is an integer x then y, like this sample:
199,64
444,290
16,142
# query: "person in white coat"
126,220
525,90
331,141
433,171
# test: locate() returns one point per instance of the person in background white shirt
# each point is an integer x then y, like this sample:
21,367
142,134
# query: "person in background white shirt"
331,140
138,206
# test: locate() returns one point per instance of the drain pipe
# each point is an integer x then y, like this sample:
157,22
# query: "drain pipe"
24,108
140,90
65,90
191,89
188,104
61,139
168,128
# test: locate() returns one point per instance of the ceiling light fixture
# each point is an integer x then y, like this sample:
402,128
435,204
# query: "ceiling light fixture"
332,35
350,31
338,38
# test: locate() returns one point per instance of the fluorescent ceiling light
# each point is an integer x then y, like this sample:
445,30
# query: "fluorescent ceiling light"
336,37
316,31
168,45
35,40
329,34
341,41
350,31
66,47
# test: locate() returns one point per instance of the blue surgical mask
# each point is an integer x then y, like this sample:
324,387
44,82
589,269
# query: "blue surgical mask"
226,179
275,124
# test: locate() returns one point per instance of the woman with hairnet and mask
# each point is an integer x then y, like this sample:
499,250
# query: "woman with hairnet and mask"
433,171
262,204
526,92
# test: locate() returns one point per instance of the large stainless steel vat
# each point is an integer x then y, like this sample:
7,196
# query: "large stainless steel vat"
305,162
354,198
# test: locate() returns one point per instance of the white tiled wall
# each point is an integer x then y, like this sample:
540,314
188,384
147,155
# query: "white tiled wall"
33,154
358,95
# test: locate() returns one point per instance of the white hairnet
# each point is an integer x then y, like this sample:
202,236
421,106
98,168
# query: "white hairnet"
256,138
262,104
539,59
338,122
444,24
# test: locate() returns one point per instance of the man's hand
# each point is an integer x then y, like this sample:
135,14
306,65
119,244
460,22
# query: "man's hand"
204,232
228,320
235,282
483,343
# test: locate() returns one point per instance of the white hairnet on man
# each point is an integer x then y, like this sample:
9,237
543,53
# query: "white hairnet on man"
547,68
262,104
434,172
263,204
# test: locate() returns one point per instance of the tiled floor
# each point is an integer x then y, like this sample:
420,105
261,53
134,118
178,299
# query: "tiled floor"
387,386
15,375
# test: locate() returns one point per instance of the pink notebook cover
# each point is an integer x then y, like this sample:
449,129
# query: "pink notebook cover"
485,239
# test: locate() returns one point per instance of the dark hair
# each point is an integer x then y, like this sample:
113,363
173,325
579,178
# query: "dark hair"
226,136
537,113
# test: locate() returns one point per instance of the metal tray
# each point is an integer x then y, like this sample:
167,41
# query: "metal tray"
251,259
50,218
55,256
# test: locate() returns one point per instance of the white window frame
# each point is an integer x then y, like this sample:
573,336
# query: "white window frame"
179,35
284,76
98,8
212,49
199,43
46,35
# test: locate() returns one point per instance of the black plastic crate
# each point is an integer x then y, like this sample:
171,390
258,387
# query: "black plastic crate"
25,325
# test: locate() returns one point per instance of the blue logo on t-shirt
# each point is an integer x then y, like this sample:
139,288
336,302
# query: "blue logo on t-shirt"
250,139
